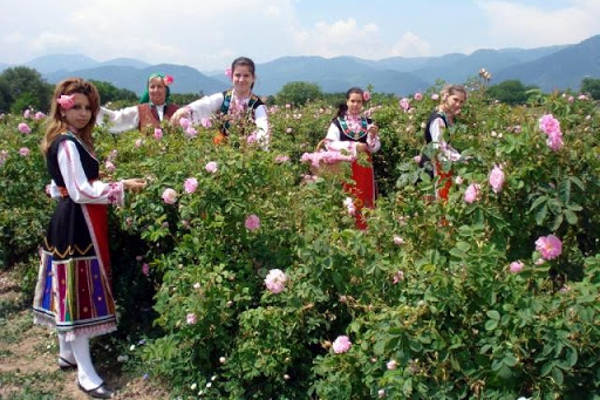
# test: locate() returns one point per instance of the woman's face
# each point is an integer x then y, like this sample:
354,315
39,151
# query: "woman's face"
454,102
354,103
80,114
242,79
157,91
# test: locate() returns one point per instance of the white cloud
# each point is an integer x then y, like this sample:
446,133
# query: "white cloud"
50,40
411,45
527,26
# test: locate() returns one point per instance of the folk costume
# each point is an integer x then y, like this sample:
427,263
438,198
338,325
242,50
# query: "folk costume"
343,134
144,115
229,103
73,291
434,129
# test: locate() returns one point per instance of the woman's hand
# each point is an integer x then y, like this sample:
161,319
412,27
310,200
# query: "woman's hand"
362,147
182,112
134,184
373,130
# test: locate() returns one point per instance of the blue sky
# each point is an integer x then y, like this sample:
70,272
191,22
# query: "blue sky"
208,34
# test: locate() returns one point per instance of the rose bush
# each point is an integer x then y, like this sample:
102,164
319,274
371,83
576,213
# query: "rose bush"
254,273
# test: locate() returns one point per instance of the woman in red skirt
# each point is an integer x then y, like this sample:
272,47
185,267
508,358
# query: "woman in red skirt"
352,132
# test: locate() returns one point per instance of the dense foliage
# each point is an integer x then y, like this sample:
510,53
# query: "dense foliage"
429,297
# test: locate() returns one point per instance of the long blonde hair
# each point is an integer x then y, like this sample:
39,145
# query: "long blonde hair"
56,123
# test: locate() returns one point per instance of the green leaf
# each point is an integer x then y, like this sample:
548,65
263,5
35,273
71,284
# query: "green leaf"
537,202
557,221
510,360
558,376
493,314
540,216
546,368
564,191
571,217
491,324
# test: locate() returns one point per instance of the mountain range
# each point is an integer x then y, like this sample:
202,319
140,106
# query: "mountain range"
554,67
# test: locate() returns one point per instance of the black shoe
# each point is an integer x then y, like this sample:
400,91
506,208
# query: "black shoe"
101,392
65,364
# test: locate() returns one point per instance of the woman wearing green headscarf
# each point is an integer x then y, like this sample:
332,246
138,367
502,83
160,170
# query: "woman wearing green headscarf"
154,107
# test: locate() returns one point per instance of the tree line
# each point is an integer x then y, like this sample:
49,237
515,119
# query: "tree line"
23,87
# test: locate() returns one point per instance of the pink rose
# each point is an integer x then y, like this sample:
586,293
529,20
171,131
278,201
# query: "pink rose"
418,96
251,138
548,124
349,204
549,246
366,95
288,105
280,159
496,179
391,365
582,97
417,159
381,393
168,80
190,185
3,157
211,167
138,142
275,281
404,103
206,122
554,140
145,269
24,128
190,132
288,130
66,101
158,133
341,344
109,166
398,240
517,129
458,180
515,267
139,258
228,73
24,151
184,123
169,196
571,99
398,277
39,115
190,318
472,193
252,222
27,113
435,97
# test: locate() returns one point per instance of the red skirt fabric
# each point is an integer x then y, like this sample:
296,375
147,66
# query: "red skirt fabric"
444,182
363,190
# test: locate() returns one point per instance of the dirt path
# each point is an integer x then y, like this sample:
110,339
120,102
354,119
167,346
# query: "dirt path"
28,352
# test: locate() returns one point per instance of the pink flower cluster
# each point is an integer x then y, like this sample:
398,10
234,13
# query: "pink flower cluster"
190,185
168,80
341,344
549,247
404,103
326,157
551,127
66,101
349,204
496,179
24,128
275,281
252,222
472,193
169,196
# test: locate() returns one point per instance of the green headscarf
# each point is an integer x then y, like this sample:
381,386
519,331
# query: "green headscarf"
146,96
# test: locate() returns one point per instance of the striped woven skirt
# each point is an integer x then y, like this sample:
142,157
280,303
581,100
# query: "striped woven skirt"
73,291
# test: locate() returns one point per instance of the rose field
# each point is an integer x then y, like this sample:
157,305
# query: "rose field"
239,275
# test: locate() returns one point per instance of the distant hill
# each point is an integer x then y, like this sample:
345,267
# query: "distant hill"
560,70
187,79
554,67
333,75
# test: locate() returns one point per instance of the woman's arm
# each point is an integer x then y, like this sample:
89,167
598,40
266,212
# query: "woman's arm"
262,124
437,138
333,141
80,189
202,108
121,120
